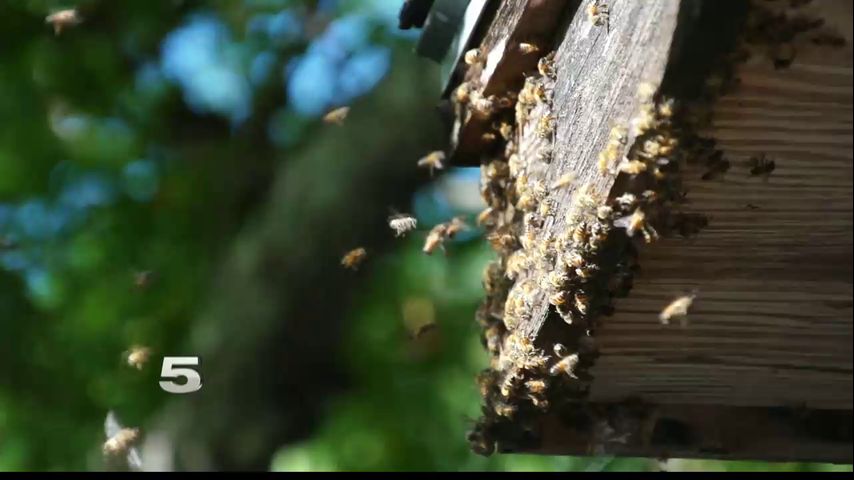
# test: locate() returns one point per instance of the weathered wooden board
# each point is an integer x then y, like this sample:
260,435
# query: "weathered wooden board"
772,324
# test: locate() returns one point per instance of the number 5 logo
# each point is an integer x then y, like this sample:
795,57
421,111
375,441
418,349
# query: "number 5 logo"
180,367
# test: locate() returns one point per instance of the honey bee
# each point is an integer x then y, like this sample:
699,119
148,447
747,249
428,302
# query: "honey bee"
504,409
540,93
506,130
486,379
537,386
607,157
546,66
546,207
631,167
619,135
337,116
567,363
433,160
506,101
545,154
677,309
761,165
582,303
455,226
545,126
473,57
493,336
482,107
527,48
565,180
557,279
488,137
62,19
637,222
516,165
604,212
517,263
646,91
121,441
435,239
558,299
626,200
510,382
716,166
142,280
354,258
485,217
666,108
527,202
462,93
402,223
598,14
138,356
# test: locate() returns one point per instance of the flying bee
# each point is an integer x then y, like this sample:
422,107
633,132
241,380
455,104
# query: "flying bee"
455,226
354,258
143,279
402,223
435,239
565,180
473,57
567,363
63,19
761,165
138,356
677,309
545,126
336,116
527,48
546,66
598,14
716,166
433,161
488,137
121,442
637,222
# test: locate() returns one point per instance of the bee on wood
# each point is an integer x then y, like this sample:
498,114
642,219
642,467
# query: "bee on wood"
558,299
433,161
63,19
517,263
564,181
637,222
678,308
138,356
473,57
506,130
582,303
546,207
546,66
354,258
510,382
121,441
435,239
607,158
482,107
567,363
402,223
604,212
761,165
527,48
337,116
536,386
557,279
545,126
599,14
646,91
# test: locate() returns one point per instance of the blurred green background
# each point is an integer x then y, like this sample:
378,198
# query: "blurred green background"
184,138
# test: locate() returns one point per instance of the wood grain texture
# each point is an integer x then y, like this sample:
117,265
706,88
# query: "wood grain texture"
772,324
599,71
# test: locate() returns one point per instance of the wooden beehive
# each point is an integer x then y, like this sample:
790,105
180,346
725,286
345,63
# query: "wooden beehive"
762,368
